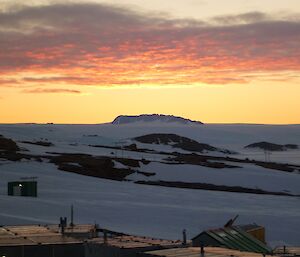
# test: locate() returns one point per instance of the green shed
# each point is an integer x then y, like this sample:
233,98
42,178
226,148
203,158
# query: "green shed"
22,188
231,238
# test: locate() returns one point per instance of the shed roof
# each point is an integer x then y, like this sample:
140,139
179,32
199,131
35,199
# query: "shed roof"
129,242
50,234
249,227
236,238
32,235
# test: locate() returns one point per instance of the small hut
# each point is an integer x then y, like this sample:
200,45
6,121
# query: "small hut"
22,188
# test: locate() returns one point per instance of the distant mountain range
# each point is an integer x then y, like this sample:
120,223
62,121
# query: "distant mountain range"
145,118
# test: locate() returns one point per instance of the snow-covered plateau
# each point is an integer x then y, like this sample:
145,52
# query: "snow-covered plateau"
150,210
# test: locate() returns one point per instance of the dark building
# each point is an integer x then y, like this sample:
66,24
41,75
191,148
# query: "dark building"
22,188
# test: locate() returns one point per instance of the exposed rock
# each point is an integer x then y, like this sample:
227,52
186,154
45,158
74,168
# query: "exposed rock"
128,162
131,147
147,174
272,147
41,143
7,144
101,167
212,187
177,141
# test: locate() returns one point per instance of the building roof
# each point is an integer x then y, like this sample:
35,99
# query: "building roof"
129,242
32,235
78,228
50,234
236,238
249,227
195,252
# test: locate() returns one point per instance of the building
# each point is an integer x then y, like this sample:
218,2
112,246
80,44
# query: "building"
22,188
75,241
287,251
255,230
122,245
37,241
231,238
196,252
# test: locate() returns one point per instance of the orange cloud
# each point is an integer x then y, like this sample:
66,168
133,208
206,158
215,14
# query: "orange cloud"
100,45
51,90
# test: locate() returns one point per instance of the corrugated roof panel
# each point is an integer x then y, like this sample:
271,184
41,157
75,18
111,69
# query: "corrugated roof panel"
235,238
261,247
248,242
220,239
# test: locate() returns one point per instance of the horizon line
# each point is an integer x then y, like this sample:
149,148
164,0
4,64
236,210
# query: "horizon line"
110,123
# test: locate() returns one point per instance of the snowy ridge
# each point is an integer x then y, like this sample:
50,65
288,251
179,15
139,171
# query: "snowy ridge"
124,206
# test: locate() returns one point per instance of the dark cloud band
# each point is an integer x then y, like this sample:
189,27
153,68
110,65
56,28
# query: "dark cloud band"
94,44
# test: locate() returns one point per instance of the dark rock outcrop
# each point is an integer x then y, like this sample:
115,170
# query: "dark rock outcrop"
177,141
101,167
8,145
272,147
212,187
40,143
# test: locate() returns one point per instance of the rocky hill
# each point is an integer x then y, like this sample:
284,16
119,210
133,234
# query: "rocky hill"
180,142
272,147
148,118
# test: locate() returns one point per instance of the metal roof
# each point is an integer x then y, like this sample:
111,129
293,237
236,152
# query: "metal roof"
129,242
50,234
32,235
249,227
236,238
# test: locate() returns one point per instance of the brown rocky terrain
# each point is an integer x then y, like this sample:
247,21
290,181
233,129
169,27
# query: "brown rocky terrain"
180,142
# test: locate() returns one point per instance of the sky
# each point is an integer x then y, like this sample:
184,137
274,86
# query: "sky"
216,61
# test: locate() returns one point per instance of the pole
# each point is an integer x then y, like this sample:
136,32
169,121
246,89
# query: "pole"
72,216
184,237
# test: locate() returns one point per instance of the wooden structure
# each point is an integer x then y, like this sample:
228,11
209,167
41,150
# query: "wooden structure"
255,230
